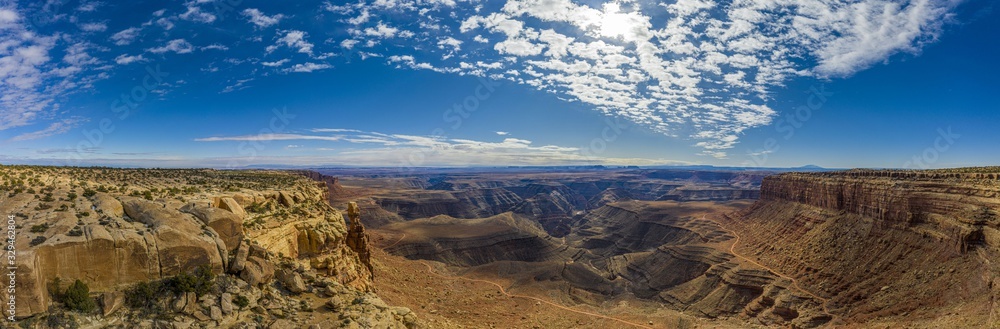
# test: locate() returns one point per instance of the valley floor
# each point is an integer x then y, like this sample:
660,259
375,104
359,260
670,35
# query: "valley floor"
443,299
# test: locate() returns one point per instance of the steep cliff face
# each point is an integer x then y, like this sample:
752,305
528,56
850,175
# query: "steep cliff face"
961,205
148,225
881,243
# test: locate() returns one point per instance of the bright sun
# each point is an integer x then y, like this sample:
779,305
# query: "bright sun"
613,23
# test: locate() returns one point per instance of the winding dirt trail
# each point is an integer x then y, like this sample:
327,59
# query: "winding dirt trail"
503,290
795,283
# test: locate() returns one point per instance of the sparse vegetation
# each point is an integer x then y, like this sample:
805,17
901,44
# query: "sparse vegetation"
76,231
40,228
241,301
37,240
77,298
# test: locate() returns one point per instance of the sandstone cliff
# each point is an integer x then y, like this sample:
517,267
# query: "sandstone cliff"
881,243
113,228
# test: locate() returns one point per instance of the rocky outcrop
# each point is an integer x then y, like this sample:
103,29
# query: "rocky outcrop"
111,241
180,241
228,225
357,238
230,204
879,242
107,205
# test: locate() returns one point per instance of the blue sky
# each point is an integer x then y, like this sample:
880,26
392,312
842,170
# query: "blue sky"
228,83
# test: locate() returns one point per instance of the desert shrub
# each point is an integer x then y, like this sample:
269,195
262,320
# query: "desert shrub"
37,240
199,282
241,301
77,298
40,228
61,320
76,231
88,193
143,296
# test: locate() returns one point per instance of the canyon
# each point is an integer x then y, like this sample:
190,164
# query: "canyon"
855,248
513,247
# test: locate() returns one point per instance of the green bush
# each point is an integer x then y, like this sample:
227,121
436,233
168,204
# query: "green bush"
241,301
199,282
40,228
77,298
143,296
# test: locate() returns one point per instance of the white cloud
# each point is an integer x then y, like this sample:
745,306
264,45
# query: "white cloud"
396,149
308,67
89,6
32,77
698,69
276,63
381,30
94,27
8,18
261,20
348,43
215,46
268,137
451,42
195,14
871,31
297,40
165,23
503,133
54,128
126,59
126,36
179,46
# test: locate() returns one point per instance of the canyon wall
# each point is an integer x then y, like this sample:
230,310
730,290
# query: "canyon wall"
881,243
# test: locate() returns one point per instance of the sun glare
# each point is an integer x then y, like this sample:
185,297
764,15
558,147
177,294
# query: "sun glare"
613,23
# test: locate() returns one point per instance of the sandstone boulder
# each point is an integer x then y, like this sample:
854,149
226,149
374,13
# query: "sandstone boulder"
226,303
181,243
286,199
257,271
227,225
108,205
215,313
292,281
233,206
240,260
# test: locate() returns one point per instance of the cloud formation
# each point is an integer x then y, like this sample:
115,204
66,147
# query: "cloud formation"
700,69
411,150
703,70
